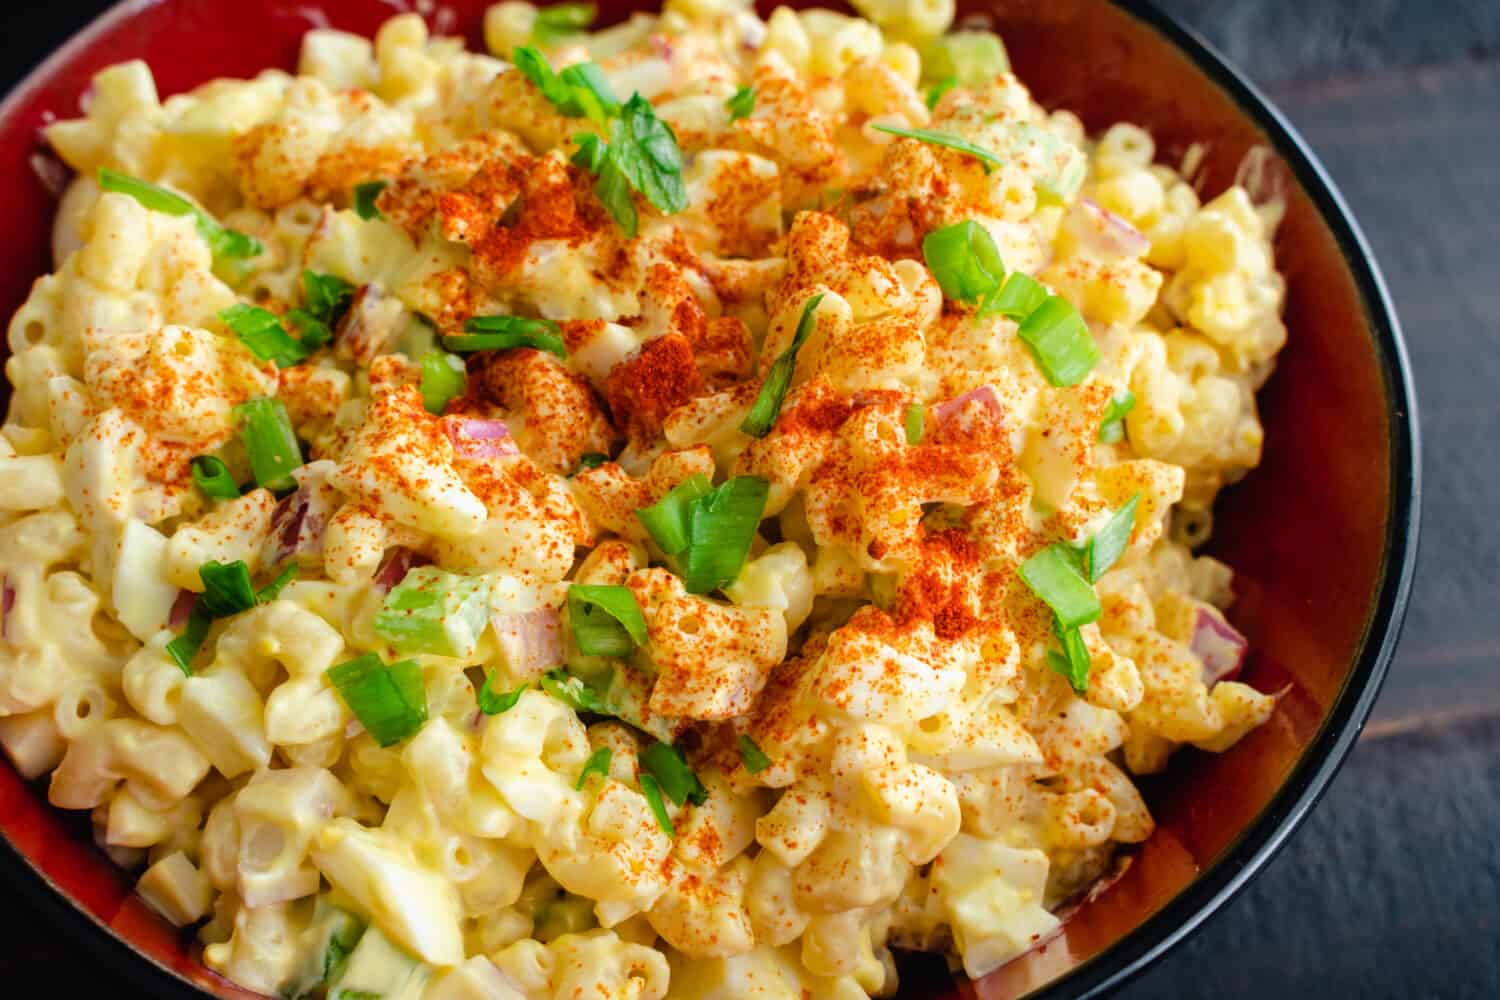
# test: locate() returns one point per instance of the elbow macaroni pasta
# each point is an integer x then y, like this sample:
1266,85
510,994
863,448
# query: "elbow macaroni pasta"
926,781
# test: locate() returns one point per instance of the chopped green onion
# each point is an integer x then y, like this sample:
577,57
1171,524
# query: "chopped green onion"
666,764
592,460
184,647
939,89
767,407
1052,576
741,104
1060,342
964,260
652,791
987,159
327,297
227,589
1110,542
598,763
1112,427
267,432
573,692
222,241
365,197
501,333
668,519
562,21
388,700
606,620
211,475
443,377
913,419
272,590
261,331
436,612
721,526
1073,662
752,756
1017,299
491,703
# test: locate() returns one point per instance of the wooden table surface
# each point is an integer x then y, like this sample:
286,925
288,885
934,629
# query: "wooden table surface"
1393,887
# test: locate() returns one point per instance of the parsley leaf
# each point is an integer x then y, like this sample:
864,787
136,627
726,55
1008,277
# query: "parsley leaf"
742,104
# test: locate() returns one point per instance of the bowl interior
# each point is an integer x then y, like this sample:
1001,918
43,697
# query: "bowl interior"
1320,535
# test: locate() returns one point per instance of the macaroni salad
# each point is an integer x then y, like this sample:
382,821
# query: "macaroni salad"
675,510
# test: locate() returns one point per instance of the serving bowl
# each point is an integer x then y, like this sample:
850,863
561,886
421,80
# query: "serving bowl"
1322,536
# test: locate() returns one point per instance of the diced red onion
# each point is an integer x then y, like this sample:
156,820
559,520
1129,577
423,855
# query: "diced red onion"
396,564
54,174
532,640
299,520
1219,646
964,415
353,729
181,608
7,602
1102,233
373,319
473,438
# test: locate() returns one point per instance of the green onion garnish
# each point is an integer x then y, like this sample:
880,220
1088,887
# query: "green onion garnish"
666,764
752,756
913,419
741,104
1112,427
1017,299
767,407
964,260
491,703
443,377
436,612
573,692
184,647
592,460
211,475
1052,576
668,519
227,591
267,432
501,333
365,196
562,21
388,700
939,89
606,620
1109,543
1073,662
223,242
1060,342
986,158
598,763
721,526
326,297
272,590
261,331
652,791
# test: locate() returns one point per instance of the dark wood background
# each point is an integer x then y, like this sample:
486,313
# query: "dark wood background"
1392,889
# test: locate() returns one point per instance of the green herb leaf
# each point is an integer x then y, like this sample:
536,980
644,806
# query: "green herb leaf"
223,242
1019,298
388,700
598,763
435,612
365,197
1112,427
646,150
652,791
491,703
272,590
741,104
592,460
613,191
443,377
573,692
913,420
501,333
667,765
592,151
964,260
767,406
267,432
721,527
668,519
939,89
606,620
562,21
987,159
752,756
261,331
1053,576
211,475
1060,342
590,92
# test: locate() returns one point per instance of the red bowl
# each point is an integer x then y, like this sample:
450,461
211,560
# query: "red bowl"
1322,536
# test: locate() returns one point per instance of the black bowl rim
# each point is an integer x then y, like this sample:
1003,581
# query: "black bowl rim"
1270,831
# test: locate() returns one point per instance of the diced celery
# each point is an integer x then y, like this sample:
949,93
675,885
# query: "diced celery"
432,611
973,58
326,945
378,968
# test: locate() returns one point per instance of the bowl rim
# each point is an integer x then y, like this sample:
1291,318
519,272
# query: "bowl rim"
1271,829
